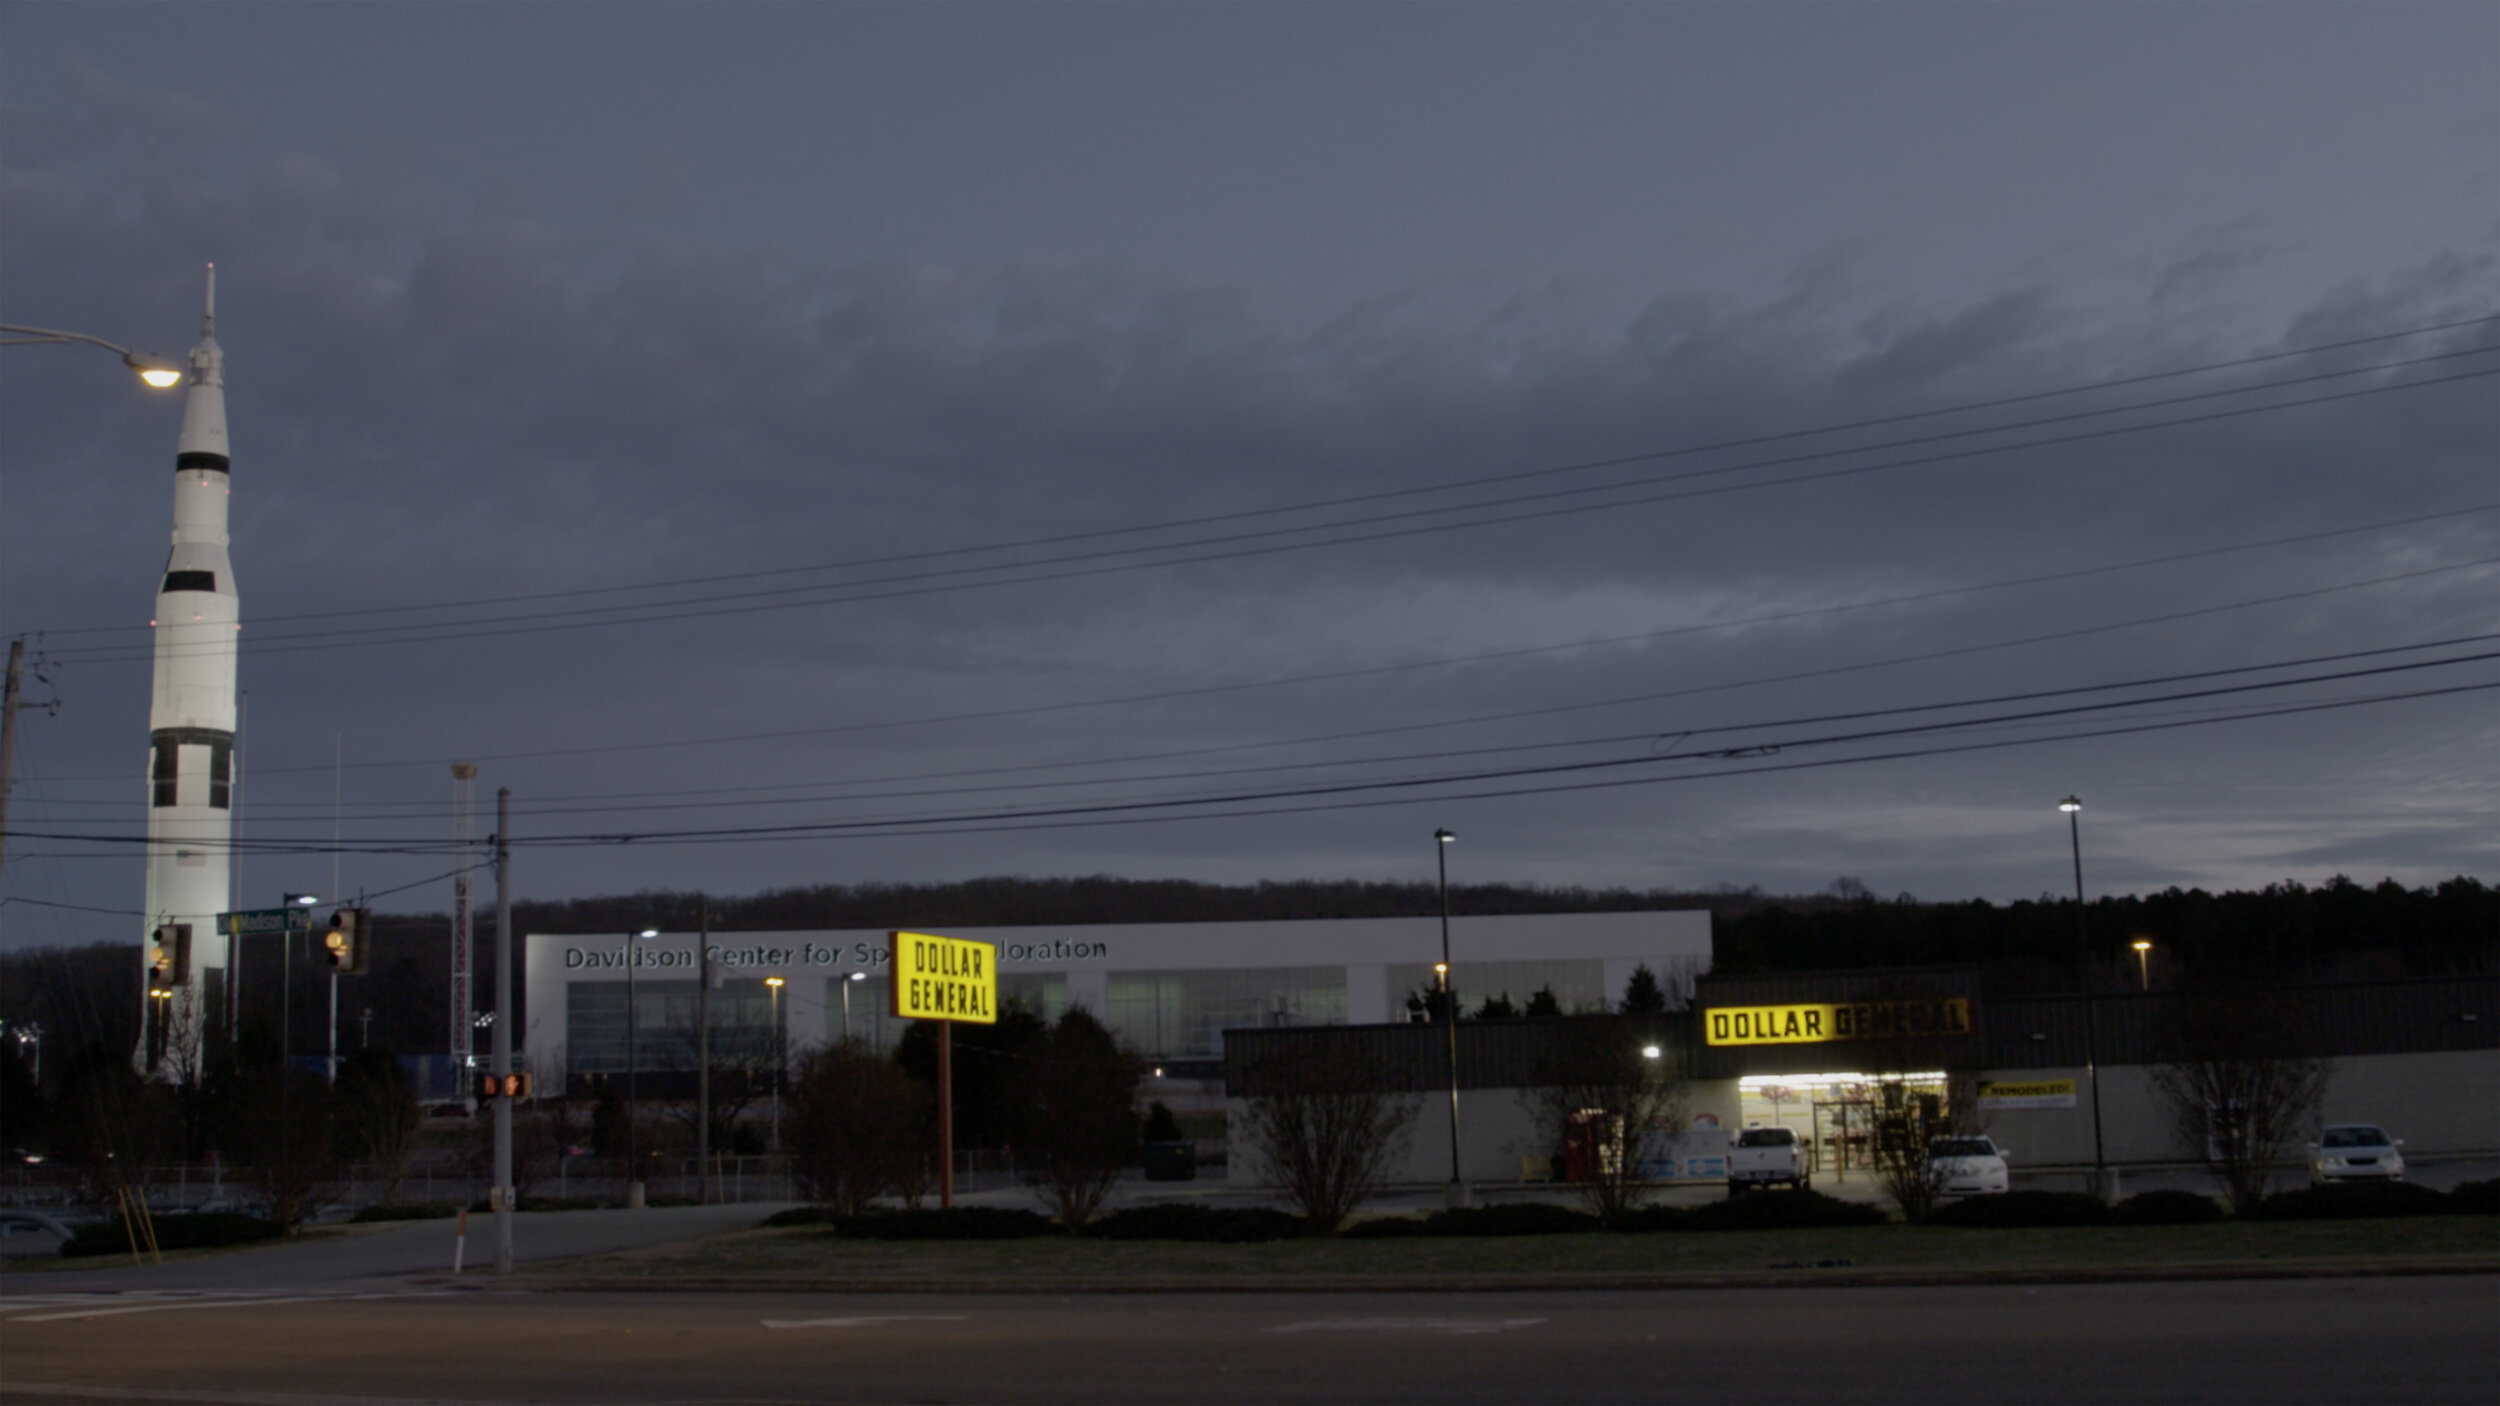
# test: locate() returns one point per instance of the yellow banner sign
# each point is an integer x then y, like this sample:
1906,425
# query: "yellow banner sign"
2033,1093
1822,1024
945,978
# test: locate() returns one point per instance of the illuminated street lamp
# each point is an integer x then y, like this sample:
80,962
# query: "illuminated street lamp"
781,1056
1449,1007
633,1066
2143,964
846,1001
155,370
2091,1023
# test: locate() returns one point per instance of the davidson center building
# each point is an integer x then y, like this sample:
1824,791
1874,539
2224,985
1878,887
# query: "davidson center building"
1170,991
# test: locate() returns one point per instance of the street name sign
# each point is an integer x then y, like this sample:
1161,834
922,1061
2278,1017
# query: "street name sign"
252,921
945,978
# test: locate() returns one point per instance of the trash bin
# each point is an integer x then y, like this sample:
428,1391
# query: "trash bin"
1171,1161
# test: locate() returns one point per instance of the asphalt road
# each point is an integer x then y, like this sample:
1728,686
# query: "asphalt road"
2426,1339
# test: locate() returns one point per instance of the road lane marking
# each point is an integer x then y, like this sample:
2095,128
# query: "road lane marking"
1451,1326
165,1306
864,1322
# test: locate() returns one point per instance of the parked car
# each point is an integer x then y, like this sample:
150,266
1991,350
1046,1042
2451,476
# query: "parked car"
2355,1152
1767,1157
1966,1166
25,1232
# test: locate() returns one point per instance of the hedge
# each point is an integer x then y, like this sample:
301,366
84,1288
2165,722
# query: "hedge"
431,1210
2358,1201
1228,1225
196,1230
2166,1208
2021,1209
2476,1198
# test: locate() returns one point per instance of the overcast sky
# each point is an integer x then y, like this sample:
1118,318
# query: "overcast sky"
1135,403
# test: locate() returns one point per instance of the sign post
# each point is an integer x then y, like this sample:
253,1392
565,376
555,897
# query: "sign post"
945,979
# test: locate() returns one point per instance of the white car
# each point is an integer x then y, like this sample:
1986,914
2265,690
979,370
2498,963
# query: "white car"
1759,1157
31,1233
2355,1152
1966,1166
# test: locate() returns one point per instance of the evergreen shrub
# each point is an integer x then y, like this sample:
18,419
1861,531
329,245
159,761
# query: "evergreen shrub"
958,1223
2476,1198
2356,1201
1227,1225
2021,1209
1784,1210
2166,1208
431,1210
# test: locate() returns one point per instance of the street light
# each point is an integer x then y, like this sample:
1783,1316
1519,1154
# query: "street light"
1449,1007
2143,964
633,1068
781,1057
846,1001
2091,1021
155,370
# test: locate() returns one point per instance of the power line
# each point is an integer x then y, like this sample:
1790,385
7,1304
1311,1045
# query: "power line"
841,593
1164,804
1582,466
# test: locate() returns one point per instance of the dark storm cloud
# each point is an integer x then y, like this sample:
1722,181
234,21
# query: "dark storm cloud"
437,401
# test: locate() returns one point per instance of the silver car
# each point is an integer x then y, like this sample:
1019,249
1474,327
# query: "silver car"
2355,1152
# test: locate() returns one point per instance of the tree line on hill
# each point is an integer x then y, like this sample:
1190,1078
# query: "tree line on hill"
2338,930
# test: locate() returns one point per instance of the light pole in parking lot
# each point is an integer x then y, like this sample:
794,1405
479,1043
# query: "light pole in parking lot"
633,1068
1449,1009
781,1057
2091,1018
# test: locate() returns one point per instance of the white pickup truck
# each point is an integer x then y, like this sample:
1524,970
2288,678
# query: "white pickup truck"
1768,1157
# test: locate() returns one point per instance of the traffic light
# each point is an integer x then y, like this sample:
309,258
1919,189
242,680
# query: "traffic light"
169,956
512,1086
346,940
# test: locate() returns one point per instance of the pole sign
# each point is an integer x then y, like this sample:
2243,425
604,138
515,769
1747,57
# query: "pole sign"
945,978
252,922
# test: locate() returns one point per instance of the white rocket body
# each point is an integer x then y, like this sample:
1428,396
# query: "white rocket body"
190,777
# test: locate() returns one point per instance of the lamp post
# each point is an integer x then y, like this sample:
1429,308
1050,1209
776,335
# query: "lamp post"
159,373
781,1056
2091,1016
846,1001
633,1071
2143,964
1449,1008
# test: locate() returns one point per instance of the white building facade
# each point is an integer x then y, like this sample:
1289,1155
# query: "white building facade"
1168,990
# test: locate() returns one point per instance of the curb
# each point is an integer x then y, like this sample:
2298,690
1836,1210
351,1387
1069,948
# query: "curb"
1801,1277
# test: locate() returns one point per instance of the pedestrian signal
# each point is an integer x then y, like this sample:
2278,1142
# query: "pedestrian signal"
491,1086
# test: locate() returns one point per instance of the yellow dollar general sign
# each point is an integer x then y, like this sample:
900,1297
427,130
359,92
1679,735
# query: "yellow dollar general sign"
945,978
1820,1024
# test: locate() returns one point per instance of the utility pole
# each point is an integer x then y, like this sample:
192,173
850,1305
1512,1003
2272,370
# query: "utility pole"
8,733
703,1046
503,1027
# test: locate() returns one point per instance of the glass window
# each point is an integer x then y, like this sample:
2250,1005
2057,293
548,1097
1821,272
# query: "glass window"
1184,1014
168,762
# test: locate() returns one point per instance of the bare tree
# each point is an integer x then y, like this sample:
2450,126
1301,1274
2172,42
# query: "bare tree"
378,1116
1079,1123
281,1132
1326,1126
1906,1117
1610,1084
2241,1087
857,1127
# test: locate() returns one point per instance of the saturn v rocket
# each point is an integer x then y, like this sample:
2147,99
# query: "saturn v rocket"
191,727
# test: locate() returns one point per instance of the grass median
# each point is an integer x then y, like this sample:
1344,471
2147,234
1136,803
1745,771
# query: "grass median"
812,1257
